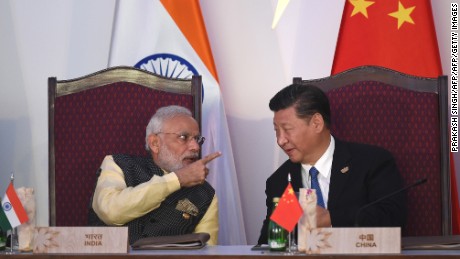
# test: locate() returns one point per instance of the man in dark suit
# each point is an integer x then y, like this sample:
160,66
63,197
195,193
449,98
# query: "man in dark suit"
350,176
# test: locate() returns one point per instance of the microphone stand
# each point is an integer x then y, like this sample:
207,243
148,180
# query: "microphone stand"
418,182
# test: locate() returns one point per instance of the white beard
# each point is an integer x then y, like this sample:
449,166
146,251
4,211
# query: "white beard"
169,162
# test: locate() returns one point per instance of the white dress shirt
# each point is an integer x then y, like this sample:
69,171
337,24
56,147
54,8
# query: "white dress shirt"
323,165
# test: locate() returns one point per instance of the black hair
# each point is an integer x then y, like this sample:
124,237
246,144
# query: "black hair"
306,99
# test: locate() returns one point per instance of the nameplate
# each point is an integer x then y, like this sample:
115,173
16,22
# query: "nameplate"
350,240
91,240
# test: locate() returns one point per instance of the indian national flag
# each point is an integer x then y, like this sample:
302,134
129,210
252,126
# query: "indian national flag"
12,213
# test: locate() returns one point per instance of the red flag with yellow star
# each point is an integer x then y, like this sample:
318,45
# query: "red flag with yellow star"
288,211
397,34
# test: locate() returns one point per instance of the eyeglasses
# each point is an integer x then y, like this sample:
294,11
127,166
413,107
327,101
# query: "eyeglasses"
186,138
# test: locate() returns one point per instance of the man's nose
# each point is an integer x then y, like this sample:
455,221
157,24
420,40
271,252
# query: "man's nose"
193,144
281,140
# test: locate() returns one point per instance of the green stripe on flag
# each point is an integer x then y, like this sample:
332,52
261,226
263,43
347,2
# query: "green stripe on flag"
4,222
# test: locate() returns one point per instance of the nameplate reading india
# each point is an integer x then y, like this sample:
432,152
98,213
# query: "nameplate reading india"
91,240
350,240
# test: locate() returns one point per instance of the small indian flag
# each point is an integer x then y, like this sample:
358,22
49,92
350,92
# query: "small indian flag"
12,213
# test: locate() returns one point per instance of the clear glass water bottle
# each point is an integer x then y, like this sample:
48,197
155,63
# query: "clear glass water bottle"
277,236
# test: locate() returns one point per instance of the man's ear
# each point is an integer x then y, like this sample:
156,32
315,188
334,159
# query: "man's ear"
154,143
318,122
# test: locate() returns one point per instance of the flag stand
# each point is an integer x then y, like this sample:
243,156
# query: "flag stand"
289,252
289,244
292,246
287,213
12,242
13,230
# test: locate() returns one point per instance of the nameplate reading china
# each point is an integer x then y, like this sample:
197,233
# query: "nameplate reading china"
350,240
91,240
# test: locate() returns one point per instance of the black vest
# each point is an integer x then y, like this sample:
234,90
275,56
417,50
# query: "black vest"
166,220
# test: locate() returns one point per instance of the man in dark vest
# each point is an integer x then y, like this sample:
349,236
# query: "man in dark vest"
163,194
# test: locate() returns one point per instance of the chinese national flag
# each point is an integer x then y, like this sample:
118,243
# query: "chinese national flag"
288,211
397,34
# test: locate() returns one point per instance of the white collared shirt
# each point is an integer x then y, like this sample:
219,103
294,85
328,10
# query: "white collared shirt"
323,165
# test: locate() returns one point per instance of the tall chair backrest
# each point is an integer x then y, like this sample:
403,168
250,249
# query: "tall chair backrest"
406,115
101,114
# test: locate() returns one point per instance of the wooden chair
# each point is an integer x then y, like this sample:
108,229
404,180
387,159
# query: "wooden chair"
97,115
407,115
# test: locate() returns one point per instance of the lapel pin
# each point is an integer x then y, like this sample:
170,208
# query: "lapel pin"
344,170
187,207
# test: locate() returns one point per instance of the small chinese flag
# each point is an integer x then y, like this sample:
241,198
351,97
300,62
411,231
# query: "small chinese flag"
288,211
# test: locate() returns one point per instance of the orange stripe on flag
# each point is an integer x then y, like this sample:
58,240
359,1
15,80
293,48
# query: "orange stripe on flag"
187,15
16,203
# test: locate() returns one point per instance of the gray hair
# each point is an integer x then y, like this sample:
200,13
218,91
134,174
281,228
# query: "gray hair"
164,113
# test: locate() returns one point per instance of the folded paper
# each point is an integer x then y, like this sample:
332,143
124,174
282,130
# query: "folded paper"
308,201
26,230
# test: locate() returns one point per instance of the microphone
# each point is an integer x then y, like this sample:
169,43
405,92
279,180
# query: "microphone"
416,183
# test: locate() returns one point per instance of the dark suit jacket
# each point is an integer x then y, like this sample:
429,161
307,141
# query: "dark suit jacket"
372,174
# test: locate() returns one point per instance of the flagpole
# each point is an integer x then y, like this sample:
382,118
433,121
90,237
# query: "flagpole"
13,229
289,234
